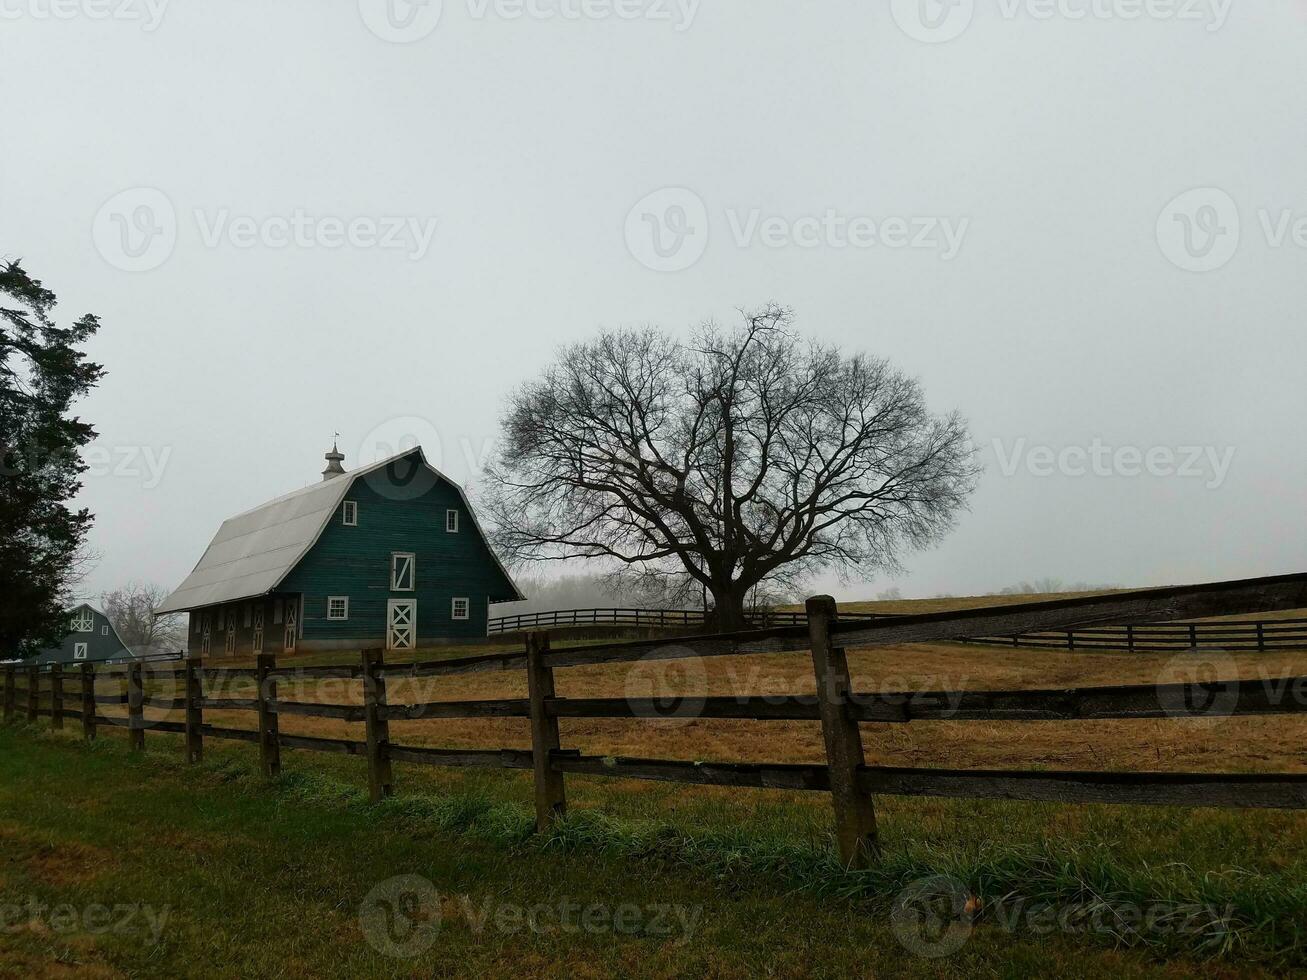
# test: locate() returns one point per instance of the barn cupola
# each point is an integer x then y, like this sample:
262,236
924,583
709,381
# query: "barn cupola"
334,459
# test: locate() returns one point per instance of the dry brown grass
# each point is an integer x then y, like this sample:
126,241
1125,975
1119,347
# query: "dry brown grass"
1270,744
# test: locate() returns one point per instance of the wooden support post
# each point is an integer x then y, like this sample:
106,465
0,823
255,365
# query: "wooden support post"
855,816
33,691
194,710
10,676
550,792
1261,637
88,702
381,780
57,696
1130,638
269,730
135,707
1193,636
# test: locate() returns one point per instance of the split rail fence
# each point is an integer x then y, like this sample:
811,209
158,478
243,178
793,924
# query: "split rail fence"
851,783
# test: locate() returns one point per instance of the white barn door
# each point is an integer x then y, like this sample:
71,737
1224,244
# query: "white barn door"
401,624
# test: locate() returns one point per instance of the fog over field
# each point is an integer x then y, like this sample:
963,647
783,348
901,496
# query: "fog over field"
1083,227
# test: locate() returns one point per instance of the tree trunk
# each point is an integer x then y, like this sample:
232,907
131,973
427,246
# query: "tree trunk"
727,614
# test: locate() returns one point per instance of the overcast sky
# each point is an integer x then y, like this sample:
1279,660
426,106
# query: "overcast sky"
1082,224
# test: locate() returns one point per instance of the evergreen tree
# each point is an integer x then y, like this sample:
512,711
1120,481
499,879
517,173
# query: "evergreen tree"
43,372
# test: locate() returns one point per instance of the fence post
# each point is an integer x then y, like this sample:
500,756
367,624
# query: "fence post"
550,792
1130,638
33,691
855,815
1193,636
194,710
381,780
135,707
88,702
57,696
269,730
1261,637
1070,640
9,695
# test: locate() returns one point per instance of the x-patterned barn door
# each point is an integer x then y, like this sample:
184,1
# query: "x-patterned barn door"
258,628
401,624
292,624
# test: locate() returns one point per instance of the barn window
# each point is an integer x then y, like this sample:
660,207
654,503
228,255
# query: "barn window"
351,513
338,607
249,614
401,571
460,608
276,612
79,651
451,521
196,620
84,621
104,631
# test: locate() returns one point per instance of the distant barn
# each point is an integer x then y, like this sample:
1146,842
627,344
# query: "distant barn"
91,638
389,555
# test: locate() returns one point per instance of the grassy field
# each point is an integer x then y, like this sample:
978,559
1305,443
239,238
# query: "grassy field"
652,879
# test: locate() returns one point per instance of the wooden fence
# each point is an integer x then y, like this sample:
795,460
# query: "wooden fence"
686,619
1262,636
852,784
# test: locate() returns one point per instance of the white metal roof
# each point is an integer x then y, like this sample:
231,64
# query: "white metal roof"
252,552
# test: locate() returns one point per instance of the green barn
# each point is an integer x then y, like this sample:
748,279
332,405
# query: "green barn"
389,555
91,639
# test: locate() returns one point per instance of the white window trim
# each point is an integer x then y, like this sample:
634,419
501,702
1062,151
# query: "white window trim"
84,622
104,631
337,598
79,651
454,514
350,509
467,608
395,557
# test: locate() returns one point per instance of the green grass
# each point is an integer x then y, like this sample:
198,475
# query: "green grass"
264,879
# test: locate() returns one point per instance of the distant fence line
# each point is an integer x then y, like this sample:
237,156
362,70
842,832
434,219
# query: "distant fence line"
1241,636
846,776
646,618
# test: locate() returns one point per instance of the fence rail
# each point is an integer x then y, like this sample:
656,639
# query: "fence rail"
851,783
1235,636
645,618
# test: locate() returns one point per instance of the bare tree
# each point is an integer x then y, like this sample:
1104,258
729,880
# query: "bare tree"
131,610
738,457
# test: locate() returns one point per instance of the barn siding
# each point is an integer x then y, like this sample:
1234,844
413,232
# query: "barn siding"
355,562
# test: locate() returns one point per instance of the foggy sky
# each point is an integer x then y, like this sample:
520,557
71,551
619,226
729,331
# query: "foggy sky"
1008,214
